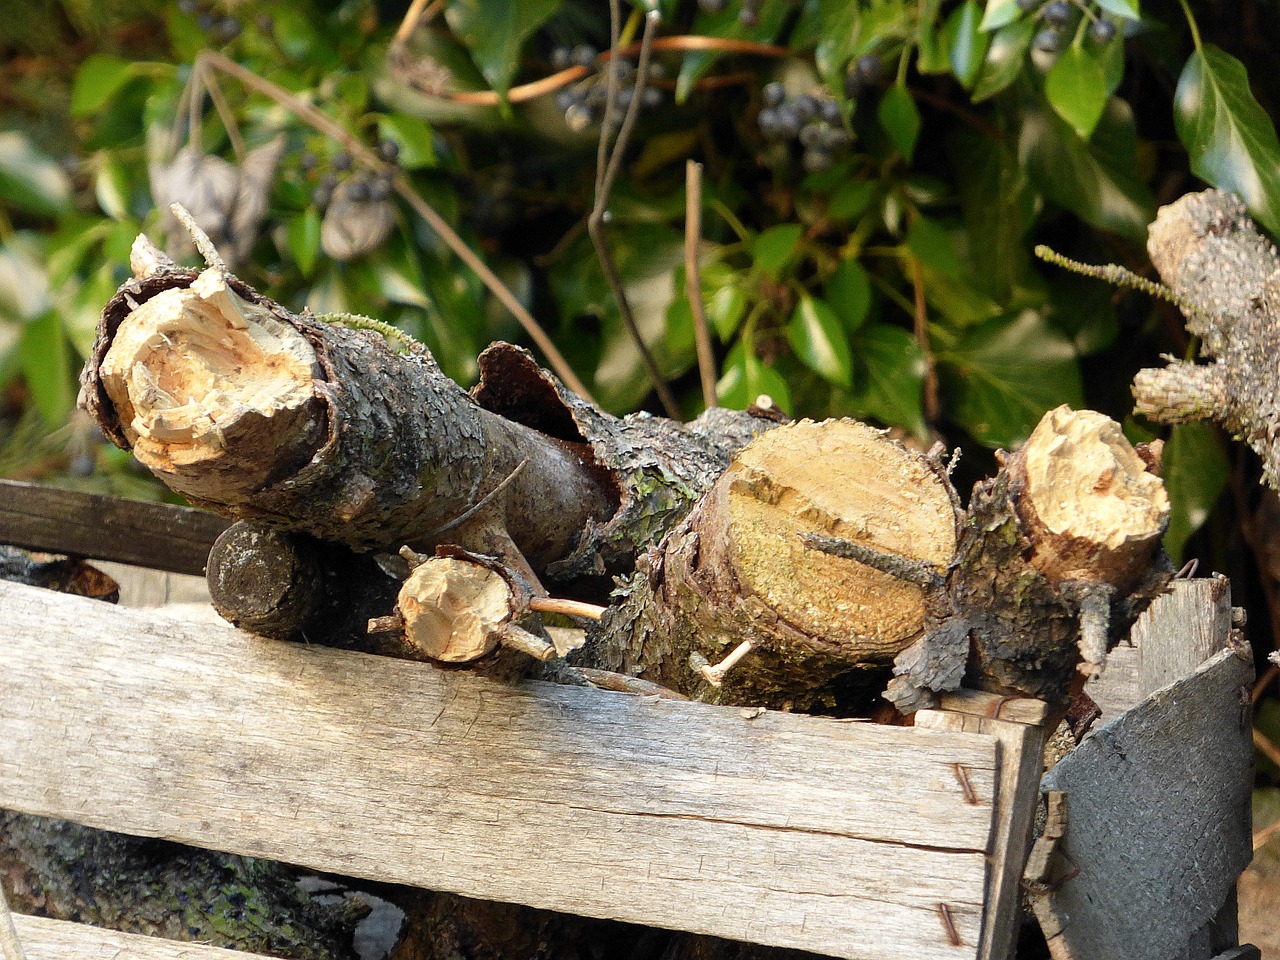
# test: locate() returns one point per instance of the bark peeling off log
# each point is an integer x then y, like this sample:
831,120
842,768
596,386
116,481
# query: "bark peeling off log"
1228,274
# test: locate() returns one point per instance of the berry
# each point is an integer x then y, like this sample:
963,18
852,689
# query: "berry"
805,107
321,196
578,117
789,122
207,20
811,135
188,6
389,151
870,67
768,122
1048,40
82,465
561,58
307,160
584,56
652,97
227,29
836,139
358,191
342,161
328,182
565,98
1102,31
1026,6
829,110
712,6
1058,13
773,94
379,188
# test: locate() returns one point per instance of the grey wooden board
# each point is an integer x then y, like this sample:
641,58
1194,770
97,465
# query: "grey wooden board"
836,837
1181,629
1158,817
44,939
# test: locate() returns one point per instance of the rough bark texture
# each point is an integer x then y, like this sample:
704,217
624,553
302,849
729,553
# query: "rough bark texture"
1055,557
351,442
1228,276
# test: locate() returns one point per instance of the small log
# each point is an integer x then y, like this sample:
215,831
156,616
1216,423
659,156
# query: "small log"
1224,273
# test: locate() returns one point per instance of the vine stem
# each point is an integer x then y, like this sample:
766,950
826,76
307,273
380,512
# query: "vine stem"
1191,23
357,149
693,280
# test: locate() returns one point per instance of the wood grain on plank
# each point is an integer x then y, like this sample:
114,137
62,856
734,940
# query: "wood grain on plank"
842,838
155,535
45,939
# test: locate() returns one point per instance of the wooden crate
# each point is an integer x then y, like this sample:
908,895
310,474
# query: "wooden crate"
843,838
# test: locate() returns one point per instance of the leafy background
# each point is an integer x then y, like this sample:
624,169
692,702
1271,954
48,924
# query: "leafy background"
881,268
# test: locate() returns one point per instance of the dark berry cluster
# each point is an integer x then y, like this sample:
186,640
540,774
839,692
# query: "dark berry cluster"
865,72
583,101
223,27
748,12
814,119
360,187
1057,16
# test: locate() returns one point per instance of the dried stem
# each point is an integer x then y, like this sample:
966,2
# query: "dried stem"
420,11
903,568
693,280
356,148
608,163
228,119
572,608
921,323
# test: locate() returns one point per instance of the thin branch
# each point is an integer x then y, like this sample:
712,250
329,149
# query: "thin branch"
894,564
224,113
357,149
608,162
418,12
920,316
693,280
572,608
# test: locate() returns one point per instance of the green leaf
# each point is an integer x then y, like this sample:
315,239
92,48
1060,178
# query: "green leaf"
495,30
1126,9
772,249
848,292
931,243
29,179
726,24
746,377
1000,13
899,116
851,199
416,142
1230,138
80,308
999,209
99,79
1099,187
303,238
111,187
1003,375
819,340
46,368
1005,58
891,370
1077,89
968,42
725,309
1195,473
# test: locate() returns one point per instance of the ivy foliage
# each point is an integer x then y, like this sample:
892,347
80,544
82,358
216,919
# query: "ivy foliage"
876,175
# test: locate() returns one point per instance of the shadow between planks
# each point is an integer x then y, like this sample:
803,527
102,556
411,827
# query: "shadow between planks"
837,837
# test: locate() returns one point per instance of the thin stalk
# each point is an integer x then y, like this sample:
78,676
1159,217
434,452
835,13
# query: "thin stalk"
693,280
920,318
10,945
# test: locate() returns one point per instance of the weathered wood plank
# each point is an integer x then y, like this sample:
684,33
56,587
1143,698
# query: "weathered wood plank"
1021,764
156,535
1158,818
842,838
44,939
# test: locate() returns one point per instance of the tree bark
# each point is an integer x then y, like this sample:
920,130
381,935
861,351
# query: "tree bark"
1225,274
265,415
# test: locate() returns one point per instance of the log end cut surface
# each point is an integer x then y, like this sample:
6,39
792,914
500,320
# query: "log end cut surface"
193,373
454,609
842,479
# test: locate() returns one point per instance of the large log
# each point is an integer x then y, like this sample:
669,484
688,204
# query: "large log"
262,414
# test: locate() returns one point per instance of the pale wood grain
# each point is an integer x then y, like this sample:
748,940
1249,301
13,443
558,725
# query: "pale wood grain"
45,939
836,837
1021,764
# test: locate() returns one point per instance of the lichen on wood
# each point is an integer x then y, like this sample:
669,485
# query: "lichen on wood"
1226,275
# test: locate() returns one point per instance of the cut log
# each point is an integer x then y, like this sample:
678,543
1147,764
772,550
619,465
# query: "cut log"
827,551
261,414
1225,275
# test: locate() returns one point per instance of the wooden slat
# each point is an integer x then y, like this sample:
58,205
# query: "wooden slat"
1021,764
156,535
44,939
837,837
